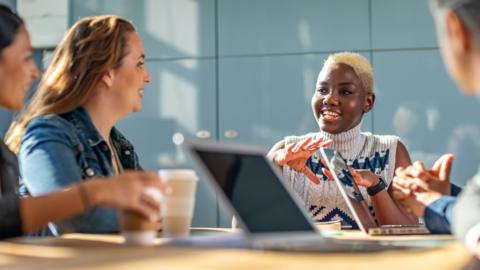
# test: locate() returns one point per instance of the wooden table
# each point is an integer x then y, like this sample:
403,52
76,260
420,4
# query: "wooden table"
80,251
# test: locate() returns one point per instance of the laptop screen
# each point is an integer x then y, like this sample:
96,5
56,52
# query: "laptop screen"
349,189
254,191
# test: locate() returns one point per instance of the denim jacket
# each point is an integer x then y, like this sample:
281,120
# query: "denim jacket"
60,150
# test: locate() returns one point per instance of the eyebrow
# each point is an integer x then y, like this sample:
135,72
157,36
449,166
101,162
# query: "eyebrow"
346,83
341,83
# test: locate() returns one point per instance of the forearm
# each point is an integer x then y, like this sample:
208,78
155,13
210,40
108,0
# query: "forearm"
388,212
439,214
36,212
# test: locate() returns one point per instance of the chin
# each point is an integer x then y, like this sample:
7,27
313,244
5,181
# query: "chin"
137,109
14,106
327,127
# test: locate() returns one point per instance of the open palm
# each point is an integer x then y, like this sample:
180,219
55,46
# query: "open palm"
296,155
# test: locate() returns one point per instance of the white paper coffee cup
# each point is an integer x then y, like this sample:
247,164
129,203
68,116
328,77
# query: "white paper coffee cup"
178,201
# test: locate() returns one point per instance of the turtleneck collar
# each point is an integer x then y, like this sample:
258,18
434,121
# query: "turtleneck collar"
348,143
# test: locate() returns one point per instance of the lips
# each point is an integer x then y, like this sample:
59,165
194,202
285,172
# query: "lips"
140,93
330,115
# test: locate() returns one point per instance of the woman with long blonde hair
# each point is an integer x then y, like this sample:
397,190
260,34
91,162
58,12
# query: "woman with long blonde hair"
23,215
66,135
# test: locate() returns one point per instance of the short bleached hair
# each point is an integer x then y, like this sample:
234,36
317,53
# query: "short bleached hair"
357,62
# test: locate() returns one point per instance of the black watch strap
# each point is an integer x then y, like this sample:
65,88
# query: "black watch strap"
377,188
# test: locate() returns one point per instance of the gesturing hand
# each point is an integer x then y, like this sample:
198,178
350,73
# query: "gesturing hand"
296,155
362,177
415,187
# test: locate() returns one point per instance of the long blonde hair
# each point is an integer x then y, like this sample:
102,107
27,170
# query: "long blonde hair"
91,47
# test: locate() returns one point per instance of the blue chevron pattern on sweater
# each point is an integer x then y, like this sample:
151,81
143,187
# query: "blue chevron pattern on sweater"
379,161
344,218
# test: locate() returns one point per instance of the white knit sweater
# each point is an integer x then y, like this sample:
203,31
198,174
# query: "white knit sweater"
362,150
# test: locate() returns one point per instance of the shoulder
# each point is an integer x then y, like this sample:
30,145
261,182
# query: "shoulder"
45,128
49,121
398,152
382,139
382,142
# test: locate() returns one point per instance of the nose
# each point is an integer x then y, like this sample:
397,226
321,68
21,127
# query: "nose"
331,98
148,77
35,72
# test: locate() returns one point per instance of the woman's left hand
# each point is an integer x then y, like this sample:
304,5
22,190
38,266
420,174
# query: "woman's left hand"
365,178
362,177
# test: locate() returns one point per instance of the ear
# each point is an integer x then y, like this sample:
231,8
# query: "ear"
108,78
458,35
369,101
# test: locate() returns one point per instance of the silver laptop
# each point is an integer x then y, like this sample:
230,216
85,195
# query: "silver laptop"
357,204
270,215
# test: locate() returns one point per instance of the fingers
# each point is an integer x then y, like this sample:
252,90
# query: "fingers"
327,173
410,183
323,162
309,144
402,192
148,178
363,177
301,145
291,147
315,143
355,175
361,172
419,165
280,157
438,163
327,143
402,182
418,171
150,201
400,171
310,175
146,211
446,167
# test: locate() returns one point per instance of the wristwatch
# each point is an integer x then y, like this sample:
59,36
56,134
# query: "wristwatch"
377,188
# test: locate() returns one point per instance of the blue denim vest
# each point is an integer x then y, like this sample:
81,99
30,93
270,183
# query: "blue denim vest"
61,150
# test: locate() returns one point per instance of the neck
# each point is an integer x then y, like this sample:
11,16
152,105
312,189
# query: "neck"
349,141
102,115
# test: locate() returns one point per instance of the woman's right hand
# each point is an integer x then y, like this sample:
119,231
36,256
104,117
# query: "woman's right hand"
127,191
295,156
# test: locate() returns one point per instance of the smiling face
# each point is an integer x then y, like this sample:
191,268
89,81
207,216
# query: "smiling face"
131,76
17,71
340,99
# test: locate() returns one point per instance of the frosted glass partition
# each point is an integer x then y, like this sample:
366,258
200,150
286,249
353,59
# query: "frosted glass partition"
402,24
418,102
284,26
169,28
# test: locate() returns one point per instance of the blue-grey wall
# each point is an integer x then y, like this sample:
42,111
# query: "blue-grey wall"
9,3
244,71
